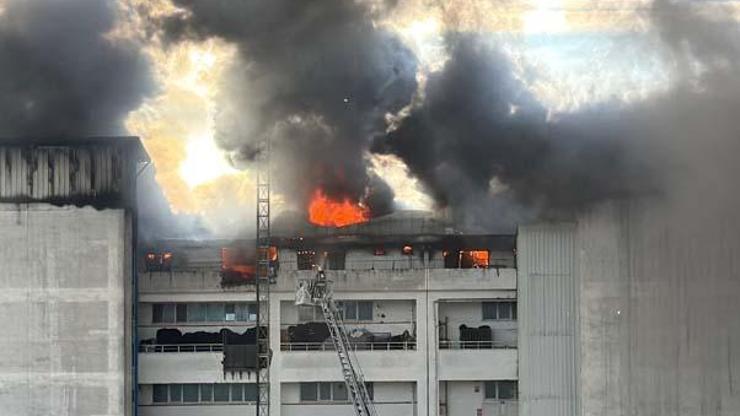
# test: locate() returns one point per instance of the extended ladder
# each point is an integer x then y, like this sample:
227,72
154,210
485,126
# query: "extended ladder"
318,293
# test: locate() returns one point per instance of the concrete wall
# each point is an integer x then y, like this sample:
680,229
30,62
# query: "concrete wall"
660,314
63,289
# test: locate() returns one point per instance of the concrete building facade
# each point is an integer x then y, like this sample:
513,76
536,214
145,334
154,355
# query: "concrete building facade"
67,220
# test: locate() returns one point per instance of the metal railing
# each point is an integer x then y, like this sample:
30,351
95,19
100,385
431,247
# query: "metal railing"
181,348
476,345
358,346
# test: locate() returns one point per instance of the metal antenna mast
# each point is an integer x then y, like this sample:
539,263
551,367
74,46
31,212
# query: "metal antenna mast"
263,277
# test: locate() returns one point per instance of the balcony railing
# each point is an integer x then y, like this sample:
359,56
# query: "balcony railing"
358,346
476,345
181,348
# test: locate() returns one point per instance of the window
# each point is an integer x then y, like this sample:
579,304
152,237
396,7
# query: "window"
196,312
501,390
328,392
357,310
237,393
230,312
163,312
181,312
250,392
215,312
175,392
206,392
308,314
308,392
379,251
190,392
499,310
335,260
407,250
325,391
156,262
221,392
159,393
306,259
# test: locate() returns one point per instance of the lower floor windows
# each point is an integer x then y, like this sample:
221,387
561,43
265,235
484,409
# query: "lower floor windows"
501,390
328,392
209,392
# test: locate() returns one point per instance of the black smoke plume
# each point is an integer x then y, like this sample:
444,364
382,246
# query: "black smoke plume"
61,75
317,77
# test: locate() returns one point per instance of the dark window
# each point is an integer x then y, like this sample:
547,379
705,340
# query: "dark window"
181,312
237,392
507,390
490,310
325,391
335,260
350,310
339,392
490,390
250,392
168,313
157,313
196,312
306,259
221,392
175,392
379,251
190,392
206,392
504,310
308,392
159,393
364,311
501,390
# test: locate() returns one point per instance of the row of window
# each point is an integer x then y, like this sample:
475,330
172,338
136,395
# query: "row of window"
335,260
328,392
350,311
203,312
501,390
193,393
505,310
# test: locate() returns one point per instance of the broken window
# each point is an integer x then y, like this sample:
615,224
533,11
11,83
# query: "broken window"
407,250
306,259
466,259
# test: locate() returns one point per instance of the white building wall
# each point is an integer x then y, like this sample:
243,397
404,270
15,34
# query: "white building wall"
63,281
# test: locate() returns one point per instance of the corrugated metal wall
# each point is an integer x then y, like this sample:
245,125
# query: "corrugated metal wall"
42,173
548,321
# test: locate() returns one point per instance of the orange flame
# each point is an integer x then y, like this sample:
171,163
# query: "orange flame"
329,213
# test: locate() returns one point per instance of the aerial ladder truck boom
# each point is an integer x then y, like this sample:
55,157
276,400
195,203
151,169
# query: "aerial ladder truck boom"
318,293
